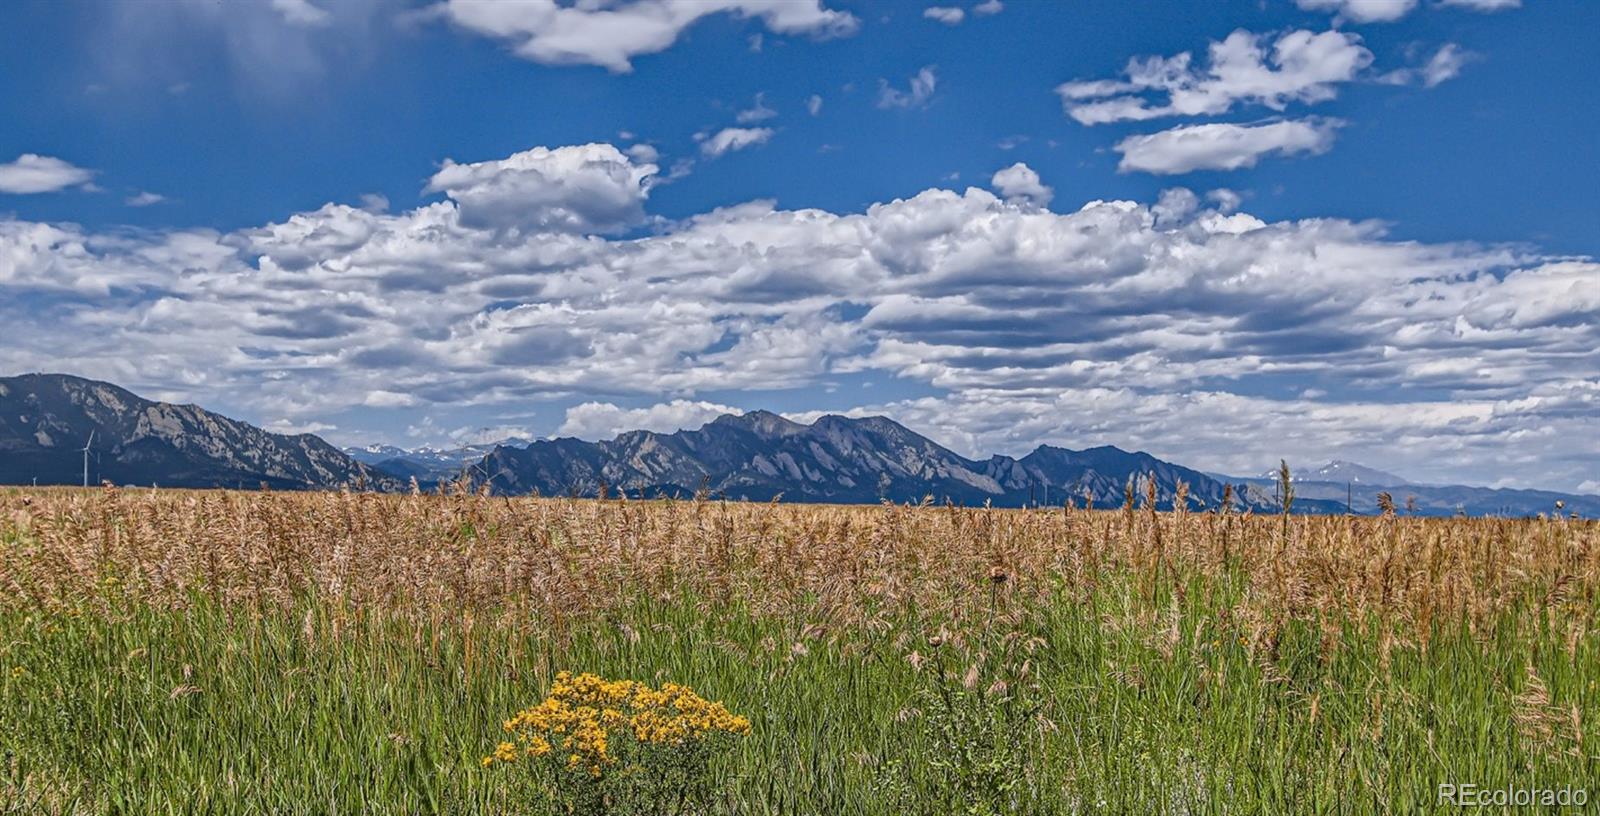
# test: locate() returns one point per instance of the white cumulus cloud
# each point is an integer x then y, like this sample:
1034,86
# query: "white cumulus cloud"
611,34
1222,146
1299,66
1388,11
1445,64
919,91
949,15
388,399
1362,11
1019,184
583,189
604,420
732,139
32,173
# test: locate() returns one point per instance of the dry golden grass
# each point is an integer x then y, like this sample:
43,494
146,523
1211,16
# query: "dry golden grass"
499,559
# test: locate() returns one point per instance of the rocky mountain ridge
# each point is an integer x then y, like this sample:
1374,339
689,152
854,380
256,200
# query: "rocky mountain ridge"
761,455
46,421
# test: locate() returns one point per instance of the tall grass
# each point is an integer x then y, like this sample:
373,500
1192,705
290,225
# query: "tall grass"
178,652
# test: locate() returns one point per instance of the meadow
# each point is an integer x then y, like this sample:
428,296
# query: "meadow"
240,652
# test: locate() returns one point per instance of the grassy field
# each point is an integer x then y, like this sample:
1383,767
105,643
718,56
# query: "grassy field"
220,652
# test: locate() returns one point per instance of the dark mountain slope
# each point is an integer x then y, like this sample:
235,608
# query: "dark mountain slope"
46,420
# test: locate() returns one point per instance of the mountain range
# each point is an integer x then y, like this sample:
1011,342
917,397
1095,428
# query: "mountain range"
1341,482
1339,471
46,421
429,465
760,456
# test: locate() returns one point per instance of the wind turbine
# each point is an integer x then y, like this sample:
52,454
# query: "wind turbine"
86,447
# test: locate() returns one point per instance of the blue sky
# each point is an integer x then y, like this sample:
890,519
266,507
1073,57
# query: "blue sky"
1337,228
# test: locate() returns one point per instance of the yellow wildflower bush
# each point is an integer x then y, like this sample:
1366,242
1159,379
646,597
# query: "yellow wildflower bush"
619,746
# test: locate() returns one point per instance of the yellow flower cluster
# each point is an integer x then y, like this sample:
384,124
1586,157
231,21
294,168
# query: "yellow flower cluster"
583,712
